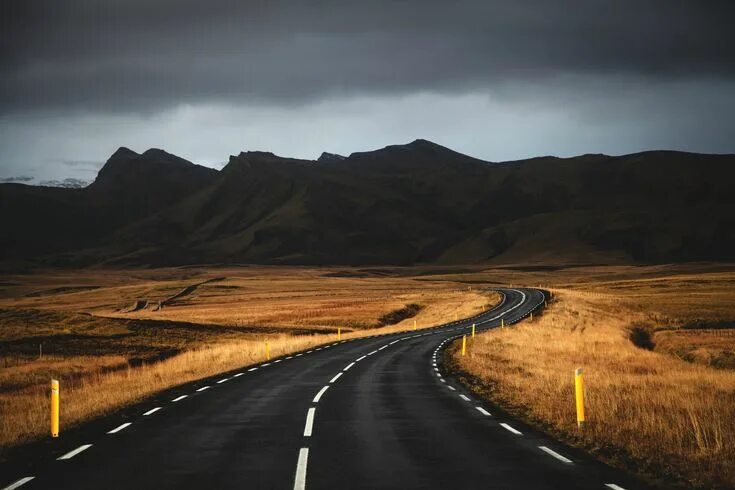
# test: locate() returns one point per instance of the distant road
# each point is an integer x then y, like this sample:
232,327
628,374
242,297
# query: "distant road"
361,414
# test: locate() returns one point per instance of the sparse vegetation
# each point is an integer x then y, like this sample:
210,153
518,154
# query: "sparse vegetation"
647,409
87,336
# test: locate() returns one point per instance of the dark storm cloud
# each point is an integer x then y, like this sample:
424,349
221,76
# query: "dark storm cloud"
103,55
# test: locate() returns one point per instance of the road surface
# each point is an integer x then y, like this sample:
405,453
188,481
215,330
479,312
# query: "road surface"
362,414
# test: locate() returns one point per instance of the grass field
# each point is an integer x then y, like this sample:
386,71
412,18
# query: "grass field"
656,350
98,329
656,344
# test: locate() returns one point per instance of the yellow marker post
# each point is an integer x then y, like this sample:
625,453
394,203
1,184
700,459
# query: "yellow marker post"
54,408
414,324
531,316
267,352
473,329
464,344
579,395
339,333
502,322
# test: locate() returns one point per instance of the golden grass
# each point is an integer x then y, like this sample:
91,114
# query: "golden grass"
645,409
89,343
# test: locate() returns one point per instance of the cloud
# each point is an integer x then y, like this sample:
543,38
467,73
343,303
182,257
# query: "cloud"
138,56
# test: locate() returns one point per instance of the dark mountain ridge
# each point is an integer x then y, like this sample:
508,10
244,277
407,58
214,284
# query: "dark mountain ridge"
403,204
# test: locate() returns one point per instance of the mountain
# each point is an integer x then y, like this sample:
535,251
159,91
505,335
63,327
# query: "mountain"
129,187
403,204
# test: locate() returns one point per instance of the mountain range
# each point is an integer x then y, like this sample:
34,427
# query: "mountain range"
403,204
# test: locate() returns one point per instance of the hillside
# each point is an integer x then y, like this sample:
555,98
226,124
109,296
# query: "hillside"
403,204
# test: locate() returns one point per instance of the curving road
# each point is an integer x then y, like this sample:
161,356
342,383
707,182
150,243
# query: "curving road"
361,414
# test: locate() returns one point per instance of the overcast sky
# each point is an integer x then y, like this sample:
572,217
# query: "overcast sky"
499,80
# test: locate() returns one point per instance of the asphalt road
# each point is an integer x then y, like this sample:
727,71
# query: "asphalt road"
361,414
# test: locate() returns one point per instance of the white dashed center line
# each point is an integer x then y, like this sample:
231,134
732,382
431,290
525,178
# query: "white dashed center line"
555,454
20,482
452,388
614,486
319,395
349,366
237,375
335,378
119,428
223,380
511,429
203,388
309,422
464,398
73,453
300,481
360,358
179,398
152,411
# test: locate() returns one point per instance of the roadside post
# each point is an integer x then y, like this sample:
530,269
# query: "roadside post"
54,408
579,395
473,329
464,344
267,352
339,333
414,324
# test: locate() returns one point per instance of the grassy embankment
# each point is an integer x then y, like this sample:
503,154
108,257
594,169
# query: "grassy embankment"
655,349
79,327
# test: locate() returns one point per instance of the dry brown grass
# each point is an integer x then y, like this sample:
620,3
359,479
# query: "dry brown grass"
646,409
91,345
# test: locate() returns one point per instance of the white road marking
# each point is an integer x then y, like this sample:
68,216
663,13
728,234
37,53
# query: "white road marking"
309,422
319,395
436,369
252,369
237,375
266,364
614,486
289,357
223,380
20,482
442,380
394,342
119,428
309,351
277,361
373,352
203,388
73,453
483,411
152,410
452,388
300,480
383,347
511,429
336,377
179,398
555,454
299,355
349,366
464,398
360,358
